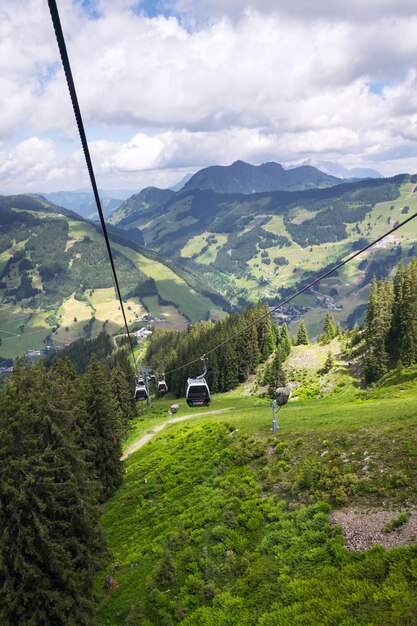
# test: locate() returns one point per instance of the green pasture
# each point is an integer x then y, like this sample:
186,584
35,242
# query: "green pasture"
35,331
221,521
195,245
78,229
170,286
171,314
253,414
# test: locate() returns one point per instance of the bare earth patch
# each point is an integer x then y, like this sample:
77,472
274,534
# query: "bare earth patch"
311,357
364,529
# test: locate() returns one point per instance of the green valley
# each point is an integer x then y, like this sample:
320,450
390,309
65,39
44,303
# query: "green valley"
56,283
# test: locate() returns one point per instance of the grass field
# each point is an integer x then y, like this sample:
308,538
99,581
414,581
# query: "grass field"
200,504
173,319
78,229
14,341
195,245
171,287
100,303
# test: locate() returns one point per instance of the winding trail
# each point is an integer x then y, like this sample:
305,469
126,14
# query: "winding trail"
145,438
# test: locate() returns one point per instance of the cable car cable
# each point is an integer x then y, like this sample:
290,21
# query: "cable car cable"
300,291
77,112
71,87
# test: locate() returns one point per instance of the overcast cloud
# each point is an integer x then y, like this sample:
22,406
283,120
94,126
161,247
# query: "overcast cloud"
168,87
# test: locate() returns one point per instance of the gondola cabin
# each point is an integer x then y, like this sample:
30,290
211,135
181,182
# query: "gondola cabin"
151,378
162,386
198,392
141,393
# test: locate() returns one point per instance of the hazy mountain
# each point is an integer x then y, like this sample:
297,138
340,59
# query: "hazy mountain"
241,177
180,184
340,171
83,202
335,169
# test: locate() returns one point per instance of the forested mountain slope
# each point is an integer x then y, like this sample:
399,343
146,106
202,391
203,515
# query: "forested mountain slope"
56,282
262,245
241,177
140,204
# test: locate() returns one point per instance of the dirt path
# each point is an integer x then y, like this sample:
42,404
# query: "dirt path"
116,345
145,438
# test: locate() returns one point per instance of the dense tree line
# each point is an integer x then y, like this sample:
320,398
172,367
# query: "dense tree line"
60,449
391,322
80,352
233,362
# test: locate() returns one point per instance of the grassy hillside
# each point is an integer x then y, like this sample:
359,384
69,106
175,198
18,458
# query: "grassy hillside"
219,521
56,282
263,245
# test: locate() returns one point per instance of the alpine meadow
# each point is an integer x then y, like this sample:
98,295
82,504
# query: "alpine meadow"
208,313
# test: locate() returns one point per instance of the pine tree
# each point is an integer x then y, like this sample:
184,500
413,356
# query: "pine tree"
276,332
406,347
395,333
104,428
329,362
50,546
121,359
229,367
378,321
265,336
285,340
329,331
213,373
371,371
136,616
302,335
122,395
248,352
276,376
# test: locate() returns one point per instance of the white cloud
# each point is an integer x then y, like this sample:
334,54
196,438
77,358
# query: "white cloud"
258,81
28,162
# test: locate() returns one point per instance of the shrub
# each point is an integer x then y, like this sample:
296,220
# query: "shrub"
396,522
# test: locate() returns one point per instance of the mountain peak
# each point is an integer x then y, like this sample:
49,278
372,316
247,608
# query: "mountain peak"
242,177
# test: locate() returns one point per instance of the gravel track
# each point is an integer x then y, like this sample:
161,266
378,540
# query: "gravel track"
151,433
363,529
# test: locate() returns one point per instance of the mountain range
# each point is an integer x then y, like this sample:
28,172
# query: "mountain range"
194,253
240,177
82,202
266,243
